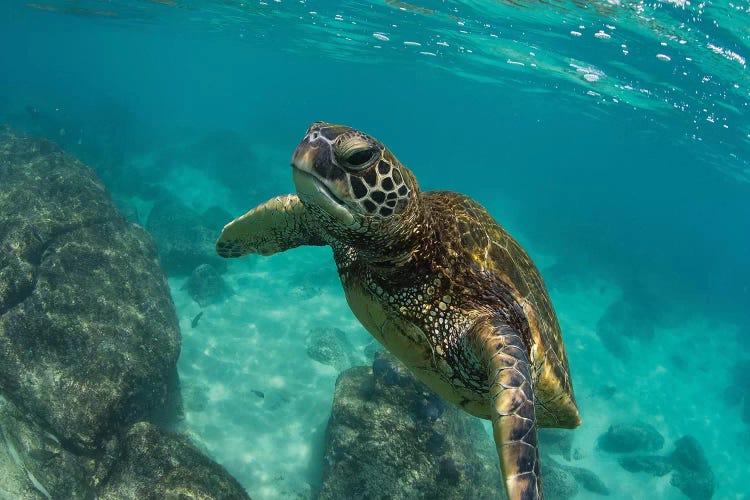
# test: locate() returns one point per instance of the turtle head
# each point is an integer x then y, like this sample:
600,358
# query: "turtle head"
353,181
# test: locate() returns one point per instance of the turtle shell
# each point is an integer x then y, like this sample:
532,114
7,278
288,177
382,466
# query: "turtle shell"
473,232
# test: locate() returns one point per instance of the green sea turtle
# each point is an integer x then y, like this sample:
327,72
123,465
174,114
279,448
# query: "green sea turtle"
435,279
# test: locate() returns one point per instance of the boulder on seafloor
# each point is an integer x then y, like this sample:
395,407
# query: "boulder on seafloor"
627,438
159,464
182,237
206,286
588,479
88,340
583,477
692,473
88,332
627,319
559,483
655,465
215,218
34,463
556,441
390,437
330,346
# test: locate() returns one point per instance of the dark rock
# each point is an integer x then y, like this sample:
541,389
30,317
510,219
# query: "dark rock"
389,371
379,447
216,218
206,286
33,462
625,438
583,477
183,240
448,470
88,332
330,346
558,482
652,464
556,441
128,209
88,344
159,464
625,320
588,479
435,443
689,454
692,472
429,408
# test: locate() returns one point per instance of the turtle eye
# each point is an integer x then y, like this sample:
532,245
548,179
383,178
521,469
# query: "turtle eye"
358,160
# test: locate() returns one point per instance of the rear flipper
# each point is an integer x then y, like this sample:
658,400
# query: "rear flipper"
512,406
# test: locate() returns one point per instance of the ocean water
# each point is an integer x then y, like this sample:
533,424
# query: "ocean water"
611,138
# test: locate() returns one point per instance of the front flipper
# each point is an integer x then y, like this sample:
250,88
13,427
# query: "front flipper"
279,224
512,405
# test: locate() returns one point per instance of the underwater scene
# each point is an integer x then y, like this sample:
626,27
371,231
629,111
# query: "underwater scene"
148,351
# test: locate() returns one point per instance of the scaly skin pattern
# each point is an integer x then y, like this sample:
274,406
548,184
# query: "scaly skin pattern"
436,280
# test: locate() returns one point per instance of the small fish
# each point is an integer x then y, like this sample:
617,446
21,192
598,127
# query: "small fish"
258,393
195,320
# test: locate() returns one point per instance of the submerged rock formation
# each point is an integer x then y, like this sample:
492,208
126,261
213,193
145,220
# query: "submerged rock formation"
390,437
330,346
206,286
158,464
626,320
34,463
626,438
184,238
88,333
690,470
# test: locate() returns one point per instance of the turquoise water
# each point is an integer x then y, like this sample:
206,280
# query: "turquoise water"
611,138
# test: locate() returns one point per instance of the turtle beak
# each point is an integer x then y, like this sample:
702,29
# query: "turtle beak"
314,155
317,179
303,157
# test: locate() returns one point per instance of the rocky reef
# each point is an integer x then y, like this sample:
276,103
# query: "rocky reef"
330,346
184,237
389,436
89,341
206,286
629,437
690,470
625,321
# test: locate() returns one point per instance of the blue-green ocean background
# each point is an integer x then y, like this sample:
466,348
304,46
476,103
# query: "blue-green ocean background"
612,139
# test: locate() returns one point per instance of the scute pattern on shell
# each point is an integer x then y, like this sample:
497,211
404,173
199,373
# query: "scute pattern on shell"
465,266
471,230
